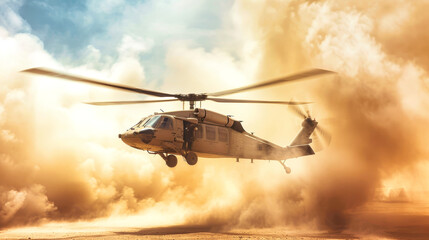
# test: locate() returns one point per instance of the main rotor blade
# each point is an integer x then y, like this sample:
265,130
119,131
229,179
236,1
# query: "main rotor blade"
56,74
294,77
228,100
129,102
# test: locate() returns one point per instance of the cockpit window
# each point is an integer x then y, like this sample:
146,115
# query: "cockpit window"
140,123
166,123
152,122
137,125
143,122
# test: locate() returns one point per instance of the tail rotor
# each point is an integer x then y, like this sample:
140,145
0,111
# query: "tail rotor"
321,138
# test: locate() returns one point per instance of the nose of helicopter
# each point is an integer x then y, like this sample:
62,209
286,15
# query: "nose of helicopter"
146,135
131,137
124,137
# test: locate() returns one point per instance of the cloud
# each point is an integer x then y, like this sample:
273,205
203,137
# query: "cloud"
67,28
66,160
10,18
105,6
373,139
24,206
131,47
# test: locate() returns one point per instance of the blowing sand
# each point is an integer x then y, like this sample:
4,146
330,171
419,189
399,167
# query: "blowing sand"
376,220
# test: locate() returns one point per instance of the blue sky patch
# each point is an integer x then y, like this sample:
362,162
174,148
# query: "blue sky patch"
68,28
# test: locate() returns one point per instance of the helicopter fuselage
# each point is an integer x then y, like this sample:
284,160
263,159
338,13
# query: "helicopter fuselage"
207,134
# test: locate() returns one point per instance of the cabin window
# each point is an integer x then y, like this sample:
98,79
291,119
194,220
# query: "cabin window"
199,132
210,133
166,123
152,122
222,134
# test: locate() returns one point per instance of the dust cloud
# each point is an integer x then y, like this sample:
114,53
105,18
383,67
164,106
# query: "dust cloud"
378,99
61,161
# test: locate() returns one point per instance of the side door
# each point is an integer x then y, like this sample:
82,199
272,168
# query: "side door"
178,133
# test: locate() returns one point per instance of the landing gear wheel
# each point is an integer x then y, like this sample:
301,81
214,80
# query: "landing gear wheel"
191,158
171,161
287,169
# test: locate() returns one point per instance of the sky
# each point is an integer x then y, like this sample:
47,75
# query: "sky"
61,160
80,32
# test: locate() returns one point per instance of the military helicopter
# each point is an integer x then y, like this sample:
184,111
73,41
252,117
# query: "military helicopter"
200,132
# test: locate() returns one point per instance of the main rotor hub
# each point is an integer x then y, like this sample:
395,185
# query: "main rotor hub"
191,98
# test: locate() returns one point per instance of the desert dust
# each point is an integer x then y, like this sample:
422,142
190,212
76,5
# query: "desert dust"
63,167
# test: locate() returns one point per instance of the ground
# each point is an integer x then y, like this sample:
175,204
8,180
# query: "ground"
380,220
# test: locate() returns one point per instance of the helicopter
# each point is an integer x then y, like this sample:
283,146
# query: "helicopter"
199,132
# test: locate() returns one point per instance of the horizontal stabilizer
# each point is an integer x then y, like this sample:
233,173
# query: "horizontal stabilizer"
299,151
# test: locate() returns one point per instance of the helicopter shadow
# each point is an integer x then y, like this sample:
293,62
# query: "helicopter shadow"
172,230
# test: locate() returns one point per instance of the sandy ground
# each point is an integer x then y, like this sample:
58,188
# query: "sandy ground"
412,231
178,232
374,221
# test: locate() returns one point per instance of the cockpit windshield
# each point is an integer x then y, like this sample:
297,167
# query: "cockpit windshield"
148,122
136,125
143,122
140,123
152,122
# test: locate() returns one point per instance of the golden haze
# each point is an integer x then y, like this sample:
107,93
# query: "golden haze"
61,160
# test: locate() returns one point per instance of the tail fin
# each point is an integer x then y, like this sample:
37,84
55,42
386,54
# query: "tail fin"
303,137
300,146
